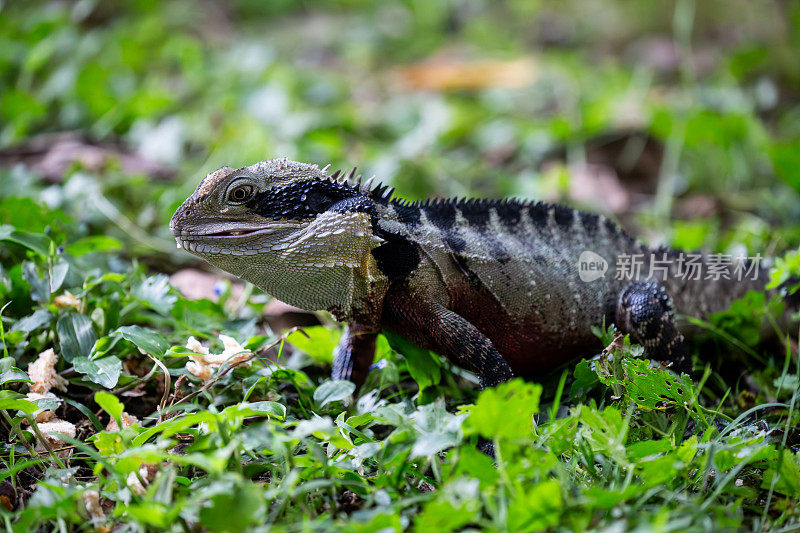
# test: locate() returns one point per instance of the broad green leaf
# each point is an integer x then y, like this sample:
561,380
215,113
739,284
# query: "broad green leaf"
35,242
688,449
103,345
39,318
132,458
585,378
383,522
602,498
93,243
25,406
235,509
536,508
474,463
423,366
76,336
12,338
317,425
786,468
213,463
428,444
104,371
360,420
58,272
263,408
604,431
267,408
640,450
150,513
786,161
332,391
154,292
505,411
40,285
29,216
257,342
110,404
47,404
179,351
95,279
443,515
652,388
14,375
743,318
785,268
290,376
146,339
438,428
176,425
790,382
108,442
319,344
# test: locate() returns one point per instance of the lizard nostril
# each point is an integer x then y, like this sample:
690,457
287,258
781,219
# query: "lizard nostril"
174,223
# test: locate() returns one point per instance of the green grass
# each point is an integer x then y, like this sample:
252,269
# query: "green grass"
614,443
617,440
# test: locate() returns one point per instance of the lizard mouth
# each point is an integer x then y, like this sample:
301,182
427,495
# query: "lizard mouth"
231,233
234,232
224,241
246,232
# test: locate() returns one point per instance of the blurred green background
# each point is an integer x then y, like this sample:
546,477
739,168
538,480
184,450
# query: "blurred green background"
680,119
679,111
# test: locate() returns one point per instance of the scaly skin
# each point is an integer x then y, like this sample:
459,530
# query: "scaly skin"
493,285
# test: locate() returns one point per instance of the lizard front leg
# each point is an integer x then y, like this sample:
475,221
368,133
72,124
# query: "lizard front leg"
433,326
645,311
354,354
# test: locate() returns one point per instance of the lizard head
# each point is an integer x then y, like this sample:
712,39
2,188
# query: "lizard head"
279,224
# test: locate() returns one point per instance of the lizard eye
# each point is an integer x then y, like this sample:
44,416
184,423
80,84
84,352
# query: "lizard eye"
240,194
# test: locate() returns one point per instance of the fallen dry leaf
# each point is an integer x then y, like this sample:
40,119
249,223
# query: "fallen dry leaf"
203,364
598,185
52,155
67,299
449,75
147,472
49,431
43,415
127,421
91,500
43,373
196,284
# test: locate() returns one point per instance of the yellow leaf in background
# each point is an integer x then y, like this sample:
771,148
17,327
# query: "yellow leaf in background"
67,299
450,75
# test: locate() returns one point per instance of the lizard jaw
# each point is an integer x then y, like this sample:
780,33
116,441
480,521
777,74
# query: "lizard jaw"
232,232
224,241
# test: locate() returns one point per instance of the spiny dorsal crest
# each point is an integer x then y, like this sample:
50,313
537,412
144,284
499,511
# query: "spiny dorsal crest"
442,211
380,193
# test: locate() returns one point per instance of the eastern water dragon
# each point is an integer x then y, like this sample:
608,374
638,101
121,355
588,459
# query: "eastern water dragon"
501,287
